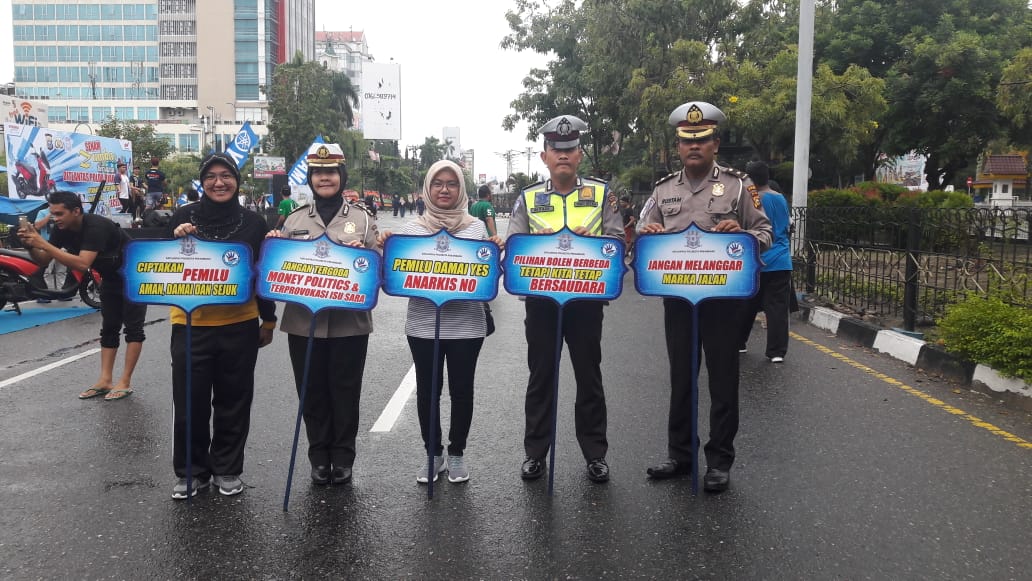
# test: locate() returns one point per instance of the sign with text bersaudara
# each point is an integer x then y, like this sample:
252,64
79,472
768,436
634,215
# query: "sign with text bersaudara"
694,264
564,266
188,272
440,267
318,274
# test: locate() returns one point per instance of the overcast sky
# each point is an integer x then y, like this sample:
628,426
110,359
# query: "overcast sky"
453,72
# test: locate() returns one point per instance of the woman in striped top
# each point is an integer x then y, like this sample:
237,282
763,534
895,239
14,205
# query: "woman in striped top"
463,323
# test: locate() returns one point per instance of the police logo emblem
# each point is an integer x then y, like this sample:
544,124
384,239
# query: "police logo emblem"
361,264
718,190
323,152
443,244
609,249
187,246
586,193
694,115
542,198
484,253
735,250
565,242
349,228
564,128
693,239
322,249
231,258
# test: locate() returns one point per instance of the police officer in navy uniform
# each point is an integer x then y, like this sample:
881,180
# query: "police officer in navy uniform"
586,207
718,199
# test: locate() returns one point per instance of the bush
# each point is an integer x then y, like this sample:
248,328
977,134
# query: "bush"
880,190
990,332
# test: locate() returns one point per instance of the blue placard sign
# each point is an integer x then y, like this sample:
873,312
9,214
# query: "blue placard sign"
319,274
188,272
564,266
440,267
694,264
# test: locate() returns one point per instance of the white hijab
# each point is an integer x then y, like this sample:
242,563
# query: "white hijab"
435,218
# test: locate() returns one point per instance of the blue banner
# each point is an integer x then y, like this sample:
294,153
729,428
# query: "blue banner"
318,274
440,267
564,266
298,174
240,148
694,264
188,272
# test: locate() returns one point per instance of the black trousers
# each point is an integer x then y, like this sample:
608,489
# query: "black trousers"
773,299
117,312
222,383
718,339
582,331
461,357
331,400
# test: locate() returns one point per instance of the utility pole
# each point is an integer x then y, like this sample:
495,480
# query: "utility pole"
508,156
530,151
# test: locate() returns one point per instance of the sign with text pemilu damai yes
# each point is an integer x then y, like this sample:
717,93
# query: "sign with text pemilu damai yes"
318,274
188,272
440,267
694,264
564,266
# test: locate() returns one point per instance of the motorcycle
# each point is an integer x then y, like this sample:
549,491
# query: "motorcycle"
21,280
29,182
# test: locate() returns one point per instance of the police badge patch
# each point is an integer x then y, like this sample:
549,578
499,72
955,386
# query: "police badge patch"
349,228
565,242
718,190
755,196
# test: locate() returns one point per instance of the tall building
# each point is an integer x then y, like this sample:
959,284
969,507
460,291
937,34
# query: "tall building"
193,69
344,51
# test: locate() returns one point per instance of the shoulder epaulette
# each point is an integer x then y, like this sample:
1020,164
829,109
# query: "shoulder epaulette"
362,206
664,179
534,185
737,173
600,180
299,208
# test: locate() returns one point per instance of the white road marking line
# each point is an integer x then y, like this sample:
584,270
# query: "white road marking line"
385,422
47,367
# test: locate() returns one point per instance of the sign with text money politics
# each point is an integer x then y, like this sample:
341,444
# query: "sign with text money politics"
318,274
695,265
563,267
440,268
188,273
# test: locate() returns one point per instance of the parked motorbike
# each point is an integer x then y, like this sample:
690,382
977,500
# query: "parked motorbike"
19,281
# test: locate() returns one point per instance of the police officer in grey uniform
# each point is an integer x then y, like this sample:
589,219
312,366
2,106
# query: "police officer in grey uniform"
585,206
718,199
341,336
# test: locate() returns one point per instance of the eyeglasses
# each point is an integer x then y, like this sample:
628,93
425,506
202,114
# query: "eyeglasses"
437,185
219,176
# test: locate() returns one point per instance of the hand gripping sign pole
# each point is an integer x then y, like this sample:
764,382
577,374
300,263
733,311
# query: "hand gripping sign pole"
695,265
439,268
319,275
563,267
188,273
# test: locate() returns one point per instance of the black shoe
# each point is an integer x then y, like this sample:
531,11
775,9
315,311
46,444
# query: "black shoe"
340,475
598,470
669,469
532,468
321,474
716,480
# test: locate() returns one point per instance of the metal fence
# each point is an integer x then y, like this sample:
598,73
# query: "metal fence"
909,263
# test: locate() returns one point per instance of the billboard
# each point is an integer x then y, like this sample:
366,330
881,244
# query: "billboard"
40,161
905,170
266,166
381,101
22,112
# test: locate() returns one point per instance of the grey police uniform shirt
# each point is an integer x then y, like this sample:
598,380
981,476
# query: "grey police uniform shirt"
612,220
351,222
725,194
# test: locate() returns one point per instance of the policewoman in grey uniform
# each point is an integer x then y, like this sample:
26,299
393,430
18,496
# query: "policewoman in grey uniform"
719,199
586,207
341,336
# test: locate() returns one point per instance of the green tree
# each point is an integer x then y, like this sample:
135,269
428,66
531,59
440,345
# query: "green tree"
1014,97
344,99
146,143
300,95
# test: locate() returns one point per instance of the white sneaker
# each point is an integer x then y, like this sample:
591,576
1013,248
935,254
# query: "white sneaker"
777,359
438,468
457,471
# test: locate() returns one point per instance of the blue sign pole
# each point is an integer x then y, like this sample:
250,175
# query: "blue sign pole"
317,274
563,267
694,265
440,268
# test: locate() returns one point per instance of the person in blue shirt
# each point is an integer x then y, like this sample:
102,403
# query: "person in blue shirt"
775,294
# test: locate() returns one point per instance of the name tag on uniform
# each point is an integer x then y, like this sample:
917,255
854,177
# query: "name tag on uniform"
537,209
298,232
582,203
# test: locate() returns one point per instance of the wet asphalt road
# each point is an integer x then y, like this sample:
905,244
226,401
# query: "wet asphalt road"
841,473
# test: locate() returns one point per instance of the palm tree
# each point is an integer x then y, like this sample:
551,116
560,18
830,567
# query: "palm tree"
344,99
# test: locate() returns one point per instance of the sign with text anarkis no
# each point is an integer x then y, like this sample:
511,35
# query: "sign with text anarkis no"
694,264
440,267
564,266
188,272
318,274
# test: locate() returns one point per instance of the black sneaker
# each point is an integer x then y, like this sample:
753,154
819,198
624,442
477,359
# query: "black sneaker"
532,468
320,474
716,480
598,470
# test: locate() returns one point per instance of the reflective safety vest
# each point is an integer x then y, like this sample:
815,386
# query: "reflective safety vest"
581,207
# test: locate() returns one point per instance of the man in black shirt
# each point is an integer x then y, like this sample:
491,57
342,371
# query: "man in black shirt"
83,241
